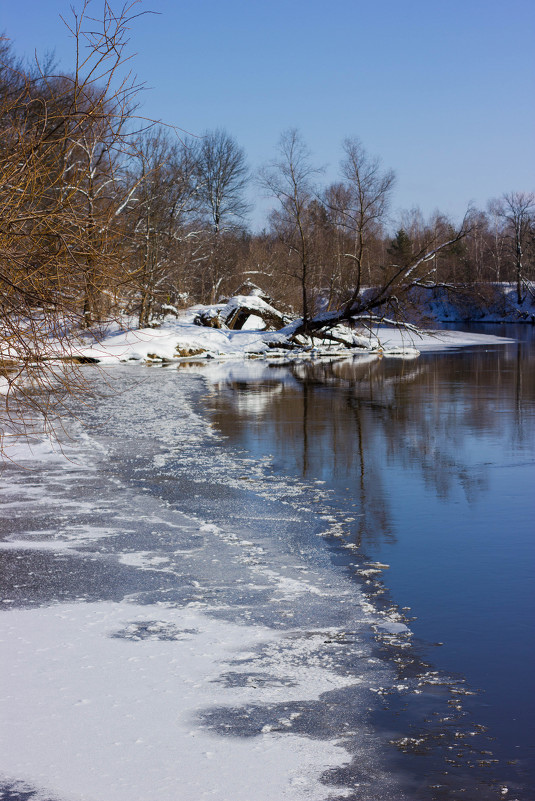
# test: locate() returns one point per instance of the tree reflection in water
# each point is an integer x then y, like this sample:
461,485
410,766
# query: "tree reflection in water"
361,425
414,414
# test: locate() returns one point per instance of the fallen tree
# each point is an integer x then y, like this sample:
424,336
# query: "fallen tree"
368,307
377,303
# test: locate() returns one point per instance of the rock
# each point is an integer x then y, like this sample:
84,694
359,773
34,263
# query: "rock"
184,352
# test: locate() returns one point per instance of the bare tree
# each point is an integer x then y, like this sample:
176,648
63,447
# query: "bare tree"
289,180
64,140
517,210
398,280
163,220
364,203
222,178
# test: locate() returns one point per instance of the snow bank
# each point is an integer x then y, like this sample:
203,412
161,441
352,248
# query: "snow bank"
182,340
485,303
398,338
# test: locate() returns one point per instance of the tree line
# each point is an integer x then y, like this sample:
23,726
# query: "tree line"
103,212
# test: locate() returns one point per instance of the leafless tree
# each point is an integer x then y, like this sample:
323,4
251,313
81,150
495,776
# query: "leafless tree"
63,145
376,302
164,222
364,203
517,210
222,179
289,179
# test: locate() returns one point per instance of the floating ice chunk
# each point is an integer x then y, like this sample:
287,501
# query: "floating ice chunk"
392,626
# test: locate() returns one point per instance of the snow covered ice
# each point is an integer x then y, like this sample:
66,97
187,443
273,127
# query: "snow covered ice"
173,626
170,628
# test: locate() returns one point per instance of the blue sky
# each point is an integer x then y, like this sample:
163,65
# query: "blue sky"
442,92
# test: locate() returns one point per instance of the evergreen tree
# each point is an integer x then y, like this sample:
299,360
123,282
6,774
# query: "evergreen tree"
400,249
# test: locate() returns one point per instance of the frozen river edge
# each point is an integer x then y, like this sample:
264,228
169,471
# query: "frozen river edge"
172,625
152,653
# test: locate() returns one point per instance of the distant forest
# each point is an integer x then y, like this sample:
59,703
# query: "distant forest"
103,212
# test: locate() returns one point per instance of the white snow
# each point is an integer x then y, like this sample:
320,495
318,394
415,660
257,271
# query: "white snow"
253,323
252,302
113,700
392,338
180,339
95,716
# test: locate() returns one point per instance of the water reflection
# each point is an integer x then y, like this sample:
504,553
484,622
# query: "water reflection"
430,463
343,421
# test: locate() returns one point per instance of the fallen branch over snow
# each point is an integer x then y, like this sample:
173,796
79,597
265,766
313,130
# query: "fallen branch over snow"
235,315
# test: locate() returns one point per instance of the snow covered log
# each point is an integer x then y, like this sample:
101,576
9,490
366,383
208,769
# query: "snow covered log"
254,313
240,311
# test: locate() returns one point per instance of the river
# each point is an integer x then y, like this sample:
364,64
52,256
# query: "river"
387,502
435,462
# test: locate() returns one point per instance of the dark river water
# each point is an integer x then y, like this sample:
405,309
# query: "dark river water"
431,463
375,515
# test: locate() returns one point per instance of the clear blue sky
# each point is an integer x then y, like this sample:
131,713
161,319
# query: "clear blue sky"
443,92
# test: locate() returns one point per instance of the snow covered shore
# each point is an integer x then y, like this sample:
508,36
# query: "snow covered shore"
484,303
181,339
202,332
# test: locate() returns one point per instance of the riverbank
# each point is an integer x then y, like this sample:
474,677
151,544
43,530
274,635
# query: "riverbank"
483,303
178,340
